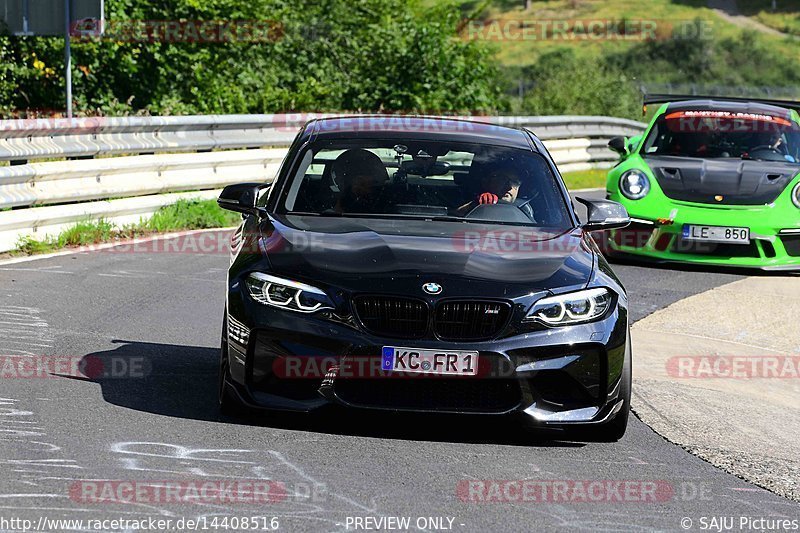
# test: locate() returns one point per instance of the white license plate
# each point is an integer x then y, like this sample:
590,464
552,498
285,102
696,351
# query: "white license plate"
441,362
716,234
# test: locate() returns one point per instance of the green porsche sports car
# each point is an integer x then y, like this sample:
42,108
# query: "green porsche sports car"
712,181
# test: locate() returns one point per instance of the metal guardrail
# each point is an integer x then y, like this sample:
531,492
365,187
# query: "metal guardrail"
148,157
118,177
25,140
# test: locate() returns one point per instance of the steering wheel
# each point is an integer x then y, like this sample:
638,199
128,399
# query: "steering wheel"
766,147
518,203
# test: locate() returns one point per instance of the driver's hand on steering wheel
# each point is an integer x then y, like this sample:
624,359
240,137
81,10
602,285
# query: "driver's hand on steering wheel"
487,198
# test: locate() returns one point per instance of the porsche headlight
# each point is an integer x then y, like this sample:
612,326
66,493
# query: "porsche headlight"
571,308
796,196
286,294
634,184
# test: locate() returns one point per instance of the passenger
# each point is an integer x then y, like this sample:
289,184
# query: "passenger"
361,177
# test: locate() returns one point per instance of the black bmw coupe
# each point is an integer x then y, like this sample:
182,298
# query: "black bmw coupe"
427,265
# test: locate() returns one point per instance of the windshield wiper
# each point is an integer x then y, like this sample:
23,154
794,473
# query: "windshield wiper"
313,214
444,218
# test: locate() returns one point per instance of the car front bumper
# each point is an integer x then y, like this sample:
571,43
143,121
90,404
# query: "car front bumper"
549,376
656,233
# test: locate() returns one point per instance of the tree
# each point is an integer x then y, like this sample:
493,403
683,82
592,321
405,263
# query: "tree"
567,84
325,55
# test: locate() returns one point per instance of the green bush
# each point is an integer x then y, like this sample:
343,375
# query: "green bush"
745,61
190,214
567,84
329,55
27,245
87,232
563,82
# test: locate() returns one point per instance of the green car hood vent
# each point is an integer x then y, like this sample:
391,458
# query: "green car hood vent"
721,181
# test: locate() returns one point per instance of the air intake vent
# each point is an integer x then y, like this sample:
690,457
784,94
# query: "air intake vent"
450,395
470,320
392,316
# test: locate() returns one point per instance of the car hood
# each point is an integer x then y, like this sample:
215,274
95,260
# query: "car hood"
721,181
398,256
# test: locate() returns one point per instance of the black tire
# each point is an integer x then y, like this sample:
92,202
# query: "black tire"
226,400
619,258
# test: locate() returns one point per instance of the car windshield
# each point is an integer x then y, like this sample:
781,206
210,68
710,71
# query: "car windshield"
426,179
723,134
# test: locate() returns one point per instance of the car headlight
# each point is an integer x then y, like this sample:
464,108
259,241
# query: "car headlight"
571,308
796,196
634,184
286,294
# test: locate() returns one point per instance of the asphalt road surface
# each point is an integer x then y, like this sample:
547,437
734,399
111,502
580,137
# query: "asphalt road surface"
160,314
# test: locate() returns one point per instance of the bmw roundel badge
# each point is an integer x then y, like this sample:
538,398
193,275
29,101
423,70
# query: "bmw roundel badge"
432,288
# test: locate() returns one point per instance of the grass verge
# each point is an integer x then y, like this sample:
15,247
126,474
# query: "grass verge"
183,215
786,18
586,179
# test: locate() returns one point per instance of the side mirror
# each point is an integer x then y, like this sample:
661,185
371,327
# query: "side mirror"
242,198
604,215
619,145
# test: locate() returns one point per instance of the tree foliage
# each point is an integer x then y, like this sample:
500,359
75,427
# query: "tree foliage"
358,55
746,60
328,55
564,83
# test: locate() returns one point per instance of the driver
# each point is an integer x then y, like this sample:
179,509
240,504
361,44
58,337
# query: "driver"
501,185
361,176
776,143
772,143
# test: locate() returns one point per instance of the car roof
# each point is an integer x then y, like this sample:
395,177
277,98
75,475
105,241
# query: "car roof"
417,127
734,107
